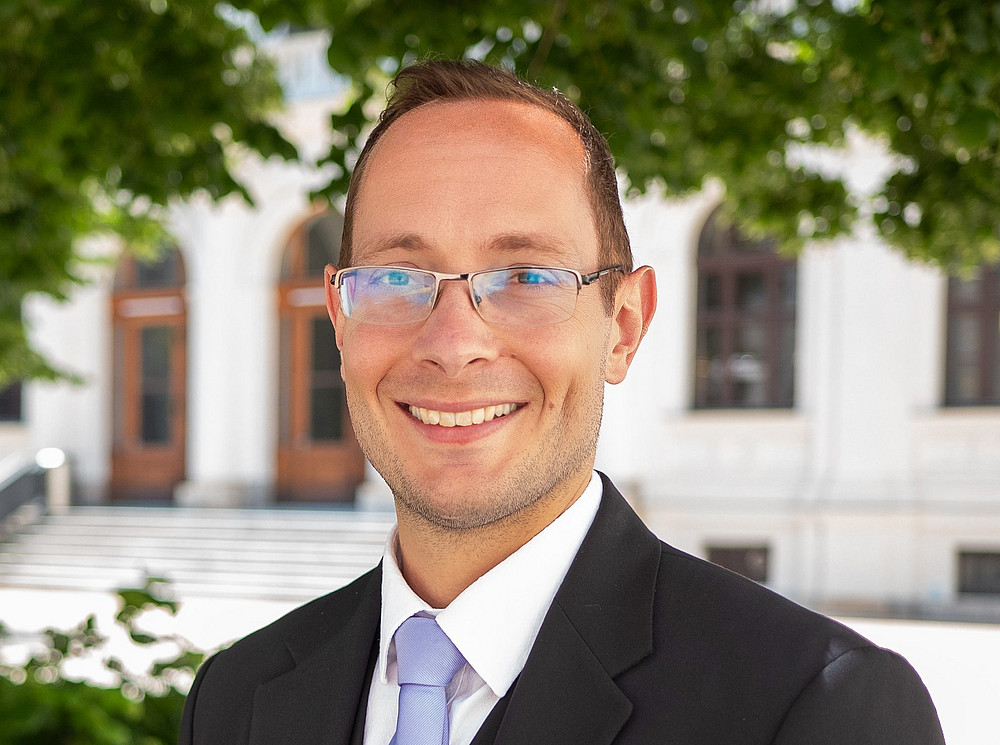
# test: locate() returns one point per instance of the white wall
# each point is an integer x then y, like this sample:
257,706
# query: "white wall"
76,336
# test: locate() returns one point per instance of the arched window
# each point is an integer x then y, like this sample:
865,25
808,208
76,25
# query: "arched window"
745,321
318,456
150,319
972,362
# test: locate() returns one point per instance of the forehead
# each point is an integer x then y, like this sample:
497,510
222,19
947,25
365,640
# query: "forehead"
462,179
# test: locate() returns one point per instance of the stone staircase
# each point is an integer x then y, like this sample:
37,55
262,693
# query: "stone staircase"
275,554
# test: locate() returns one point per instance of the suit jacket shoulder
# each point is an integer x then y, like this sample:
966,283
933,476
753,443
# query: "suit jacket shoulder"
685,652
756,667
302,674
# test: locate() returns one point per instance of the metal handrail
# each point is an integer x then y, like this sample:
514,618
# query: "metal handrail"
23,479
12,466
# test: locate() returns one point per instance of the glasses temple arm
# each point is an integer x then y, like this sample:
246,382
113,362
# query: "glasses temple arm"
588,279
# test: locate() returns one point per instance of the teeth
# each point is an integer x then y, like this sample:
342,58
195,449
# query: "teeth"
461,418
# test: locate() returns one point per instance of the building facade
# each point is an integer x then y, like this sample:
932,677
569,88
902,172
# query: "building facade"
828,424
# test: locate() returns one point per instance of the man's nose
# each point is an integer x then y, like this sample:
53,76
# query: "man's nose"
454,336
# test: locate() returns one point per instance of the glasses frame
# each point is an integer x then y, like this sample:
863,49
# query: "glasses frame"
582,280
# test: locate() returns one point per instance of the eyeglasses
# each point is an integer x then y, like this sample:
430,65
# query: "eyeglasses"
513,296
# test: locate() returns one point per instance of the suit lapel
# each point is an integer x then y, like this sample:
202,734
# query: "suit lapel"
316,702
564,696
600,624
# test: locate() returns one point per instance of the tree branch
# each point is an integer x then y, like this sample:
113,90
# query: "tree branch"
548,38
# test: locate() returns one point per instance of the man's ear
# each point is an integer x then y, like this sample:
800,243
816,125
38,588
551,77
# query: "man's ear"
333,304
635,303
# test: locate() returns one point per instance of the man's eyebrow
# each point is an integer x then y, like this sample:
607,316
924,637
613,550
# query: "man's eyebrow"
515,241
406,241
550,245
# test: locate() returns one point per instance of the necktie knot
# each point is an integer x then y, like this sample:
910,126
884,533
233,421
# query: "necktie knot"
426,661
424,653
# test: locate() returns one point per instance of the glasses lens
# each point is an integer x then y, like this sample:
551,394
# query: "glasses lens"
386,295
525,296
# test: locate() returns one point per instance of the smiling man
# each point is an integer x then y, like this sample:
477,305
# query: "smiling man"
485,296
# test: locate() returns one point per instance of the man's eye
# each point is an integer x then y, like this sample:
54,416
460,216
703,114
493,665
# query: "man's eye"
532,277
392,277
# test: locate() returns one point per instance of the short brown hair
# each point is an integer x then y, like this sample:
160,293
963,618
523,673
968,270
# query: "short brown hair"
435,81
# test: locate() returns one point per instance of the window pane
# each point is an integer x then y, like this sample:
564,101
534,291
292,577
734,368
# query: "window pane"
789,286
979,573
322,243
155,353
10,403
325,356
786,366
964,290
165,271
710,291
750,291
972,365
747,367
962,384
749,561
709,369
155,390
326,414
155,418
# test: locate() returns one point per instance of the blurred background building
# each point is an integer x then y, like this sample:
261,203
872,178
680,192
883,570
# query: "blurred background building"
827,424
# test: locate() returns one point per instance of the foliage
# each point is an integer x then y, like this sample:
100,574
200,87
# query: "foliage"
110,109
689,90
40,705
107,111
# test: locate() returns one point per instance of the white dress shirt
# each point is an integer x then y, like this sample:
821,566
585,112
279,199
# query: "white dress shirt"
493,622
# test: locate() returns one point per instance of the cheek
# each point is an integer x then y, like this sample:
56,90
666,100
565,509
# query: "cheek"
567,366
366,356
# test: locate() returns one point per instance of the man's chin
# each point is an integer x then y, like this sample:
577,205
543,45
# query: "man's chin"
454,511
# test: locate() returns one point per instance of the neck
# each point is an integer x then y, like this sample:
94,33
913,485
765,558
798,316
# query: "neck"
439,563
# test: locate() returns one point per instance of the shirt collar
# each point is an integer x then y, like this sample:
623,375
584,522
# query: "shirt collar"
495,620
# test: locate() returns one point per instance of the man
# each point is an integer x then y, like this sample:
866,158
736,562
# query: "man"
486,295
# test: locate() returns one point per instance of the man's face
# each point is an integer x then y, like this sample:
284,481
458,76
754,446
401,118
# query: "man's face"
460,187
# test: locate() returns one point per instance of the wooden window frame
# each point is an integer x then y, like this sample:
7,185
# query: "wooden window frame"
141,469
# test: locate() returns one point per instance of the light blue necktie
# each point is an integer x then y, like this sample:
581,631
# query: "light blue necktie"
426,661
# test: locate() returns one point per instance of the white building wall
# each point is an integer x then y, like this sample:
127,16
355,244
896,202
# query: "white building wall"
76,337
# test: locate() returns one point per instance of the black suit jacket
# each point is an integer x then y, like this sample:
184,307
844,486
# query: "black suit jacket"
642,644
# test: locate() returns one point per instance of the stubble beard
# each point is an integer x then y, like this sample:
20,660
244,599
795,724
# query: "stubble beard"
528,483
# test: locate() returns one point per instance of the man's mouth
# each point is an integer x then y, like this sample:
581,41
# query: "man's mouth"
462,418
